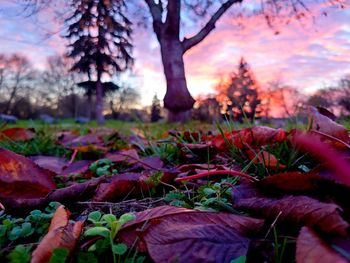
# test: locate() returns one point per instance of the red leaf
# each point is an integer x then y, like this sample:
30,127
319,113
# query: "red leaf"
291,181
333,160
17,134
61,234
256,136
22,178
311,248
325,125
298,211
185,235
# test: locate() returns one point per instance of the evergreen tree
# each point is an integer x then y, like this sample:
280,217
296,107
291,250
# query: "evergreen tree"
241,93
155,110
100,37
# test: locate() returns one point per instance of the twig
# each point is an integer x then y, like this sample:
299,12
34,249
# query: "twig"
273,224
217,172
169,185
73,156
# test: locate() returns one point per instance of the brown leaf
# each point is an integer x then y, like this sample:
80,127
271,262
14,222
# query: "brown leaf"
80,167
312,249
22,178
84,140
85,143
325,125
298,211
151,162
52,163
184,235
75,192
127,156
123,185
17,134
61,234
268,159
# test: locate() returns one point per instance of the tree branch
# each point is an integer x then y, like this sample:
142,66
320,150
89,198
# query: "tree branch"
210,25
156,11
173,16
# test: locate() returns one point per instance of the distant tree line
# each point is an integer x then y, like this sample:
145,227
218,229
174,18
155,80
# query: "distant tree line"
28,93
240,97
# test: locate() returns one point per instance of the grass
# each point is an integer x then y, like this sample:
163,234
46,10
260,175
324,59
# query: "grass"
155,130
155,141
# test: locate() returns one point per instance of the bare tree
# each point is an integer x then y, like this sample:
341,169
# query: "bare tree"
58,82
16,74
123,99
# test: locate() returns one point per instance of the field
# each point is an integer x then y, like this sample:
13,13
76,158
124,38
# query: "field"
135,192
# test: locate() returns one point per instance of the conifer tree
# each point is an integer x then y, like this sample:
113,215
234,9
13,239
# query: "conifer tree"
241,93
155,110
100,36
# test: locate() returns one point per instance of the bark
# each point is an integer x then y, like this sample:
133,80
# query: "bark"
177,99
88,107
99,103
9,103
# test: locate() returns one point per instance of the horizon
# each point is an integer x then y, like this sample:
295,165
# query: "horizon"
309,54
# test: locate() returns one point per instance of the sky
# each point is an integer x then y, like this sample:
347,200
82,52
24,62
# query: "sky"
309,54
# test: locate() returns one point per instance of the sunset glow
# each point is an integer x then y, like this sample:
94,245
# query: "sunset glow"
308,54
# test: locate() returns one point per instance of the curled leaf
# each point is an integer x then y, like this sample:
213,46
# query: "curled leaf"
61,234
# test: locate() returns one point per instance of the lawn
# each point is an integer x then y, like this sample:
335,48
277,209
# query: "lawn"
134,192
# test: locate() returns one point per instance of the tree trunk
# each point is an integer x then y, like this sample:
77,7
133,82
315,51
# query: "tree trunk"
88,107
9,102
99,103
178,101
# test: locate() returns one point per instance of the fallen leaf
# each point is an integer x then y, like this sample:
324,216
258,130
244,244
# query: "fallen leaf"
267,159
78,167
84,140
298,211
72,193
52,163
127,156
177,234
326,113
312,249
61,234
324,124
127,184
17,134
256,136
151,162
292,182
85,143
329,157
22,178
